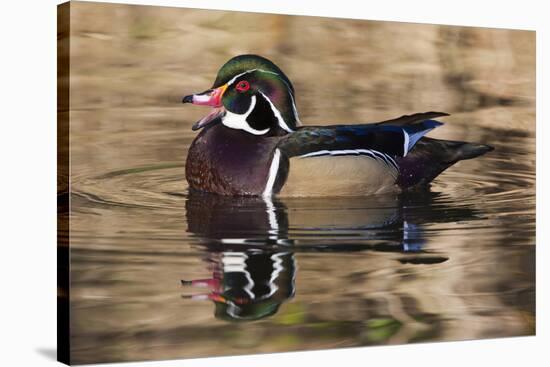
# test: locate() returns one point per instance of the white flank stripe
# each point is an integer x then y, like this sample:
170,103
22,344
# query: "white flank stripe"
389,161
338,152
383,156
273,170
314,154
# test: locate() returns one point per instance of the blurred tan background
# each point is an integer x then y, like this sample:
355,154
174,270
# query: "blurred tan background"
343,70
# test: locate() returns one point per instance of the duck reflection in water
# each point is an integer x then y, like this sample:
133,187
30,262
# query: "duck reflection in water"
251,242
248,285
253,269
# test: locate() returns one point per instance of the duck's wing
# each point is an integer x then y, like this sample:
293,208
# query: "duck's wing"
384,138
414,118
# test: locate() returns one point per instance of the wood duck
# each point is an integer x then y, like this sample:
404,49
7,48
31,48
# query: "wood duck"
252,143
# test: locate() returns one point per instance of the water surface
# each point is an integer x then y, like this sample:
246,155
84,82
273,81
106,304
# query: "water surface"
455,262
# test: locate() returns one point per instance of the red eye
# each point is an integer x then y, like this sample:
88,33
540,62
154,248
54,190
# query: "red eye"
242,86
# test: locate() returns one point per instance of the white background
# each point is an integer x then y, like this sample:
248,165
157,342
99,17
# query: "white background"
28,182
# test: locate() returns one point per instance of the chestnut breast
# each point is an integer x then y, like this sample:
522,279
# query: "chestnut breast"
229,161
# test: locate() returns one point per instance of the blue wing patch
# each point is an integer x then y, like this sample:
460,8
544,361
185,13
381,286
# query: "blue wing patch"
413,133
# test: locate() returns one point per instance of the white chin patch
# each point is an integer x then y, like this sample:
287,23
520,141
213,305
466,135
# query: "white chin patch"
236,121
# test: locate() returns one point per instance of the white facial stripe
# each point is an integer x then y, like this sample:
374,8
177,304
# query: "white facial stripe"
236,121
247,72
239,75
298,122
273,170
277,114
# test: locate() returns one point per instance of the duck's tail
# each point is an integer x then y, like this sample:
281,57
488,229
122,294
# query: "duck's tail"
430,157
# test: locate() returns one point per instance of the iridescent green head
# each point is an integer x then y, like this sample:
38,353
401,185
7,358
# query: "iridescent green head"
250,93
242,63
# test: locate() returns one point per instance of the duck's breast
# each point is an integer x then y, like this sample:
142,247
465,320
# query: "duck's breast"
229,162
348,175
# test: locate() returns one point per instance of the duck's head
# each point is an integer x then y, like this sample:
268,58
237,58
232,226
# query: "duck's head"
250,93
